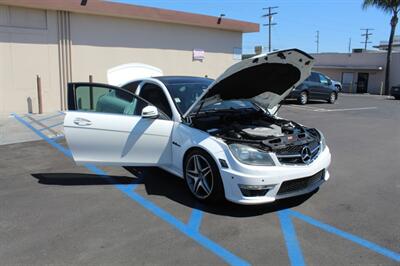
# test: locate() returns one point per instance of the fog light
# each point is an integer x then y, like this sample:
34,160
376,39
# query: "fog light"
255,190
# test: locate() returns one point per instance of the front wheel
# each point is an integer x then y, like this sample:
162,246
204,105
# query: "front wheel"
332,98
202,176
303,98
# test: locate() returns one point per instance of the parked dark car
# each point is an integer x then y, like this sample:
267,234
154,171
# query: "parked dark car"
396,92
316,87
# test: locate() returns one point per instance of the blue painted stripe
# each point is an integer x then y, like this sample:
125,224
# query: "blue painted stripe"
292,244
57,138
65,151
150,206
362,242
55,125
50,117
195,219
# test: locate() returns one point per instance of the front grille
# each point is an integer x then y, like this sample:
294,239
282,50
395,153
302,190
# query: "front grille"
292,154
301,183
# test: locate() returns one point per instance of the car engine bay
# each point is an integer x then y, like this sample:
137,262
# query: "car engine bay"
255,128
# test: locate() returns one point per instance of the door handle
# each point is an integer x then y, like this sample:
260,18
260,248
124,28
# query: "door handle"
82,122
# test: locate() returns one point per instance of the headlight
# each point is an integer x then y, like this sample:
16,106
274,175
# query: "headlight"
322,141
249,155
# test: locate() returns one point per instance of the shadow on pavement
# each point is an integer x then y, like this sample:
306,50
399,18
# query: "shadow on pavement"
74,179
159,182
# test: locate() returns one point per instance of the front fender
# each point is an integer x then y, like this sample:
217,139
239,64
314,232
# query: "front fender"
188,137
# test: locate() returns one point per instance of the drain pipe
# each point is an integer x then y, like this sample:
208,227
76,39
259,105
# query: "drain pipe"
39,92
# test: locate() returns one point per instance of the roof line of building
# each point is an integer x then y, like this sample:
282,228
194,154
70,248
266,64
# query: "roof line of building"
350,67
97,7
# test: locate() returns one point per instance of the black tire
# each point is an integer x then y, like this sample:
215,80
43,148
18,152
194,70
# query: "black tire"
303,98
332,97
217,188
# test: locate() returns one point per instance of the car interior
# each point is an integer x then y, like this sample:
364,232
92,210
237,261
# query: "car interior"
153,94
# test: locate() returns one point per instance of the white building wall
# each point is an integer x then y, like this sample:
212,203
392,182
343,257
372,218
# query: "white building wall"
100,43
29,46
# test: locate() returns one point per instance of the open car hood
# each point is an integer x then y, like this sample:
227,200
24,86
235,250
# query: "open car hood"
265,79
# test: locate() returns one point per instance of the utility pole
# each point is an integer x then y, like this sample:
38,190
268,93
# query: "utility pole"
317,41
349,45
366,35
270,24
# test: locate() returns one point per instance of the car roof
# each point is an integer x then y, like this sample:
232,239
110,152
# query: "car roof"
167,80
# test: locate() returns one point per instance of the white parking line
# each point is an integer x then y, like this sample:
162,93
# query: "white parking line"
345,109
314,109
302,107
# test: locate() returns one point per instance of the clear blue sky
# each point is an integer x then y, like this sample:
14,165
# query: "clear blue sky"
298,21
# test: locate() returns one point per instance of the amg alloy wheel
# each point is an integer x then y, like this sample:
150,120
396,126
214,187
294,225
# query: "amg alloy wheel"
332,97
202,176
303,98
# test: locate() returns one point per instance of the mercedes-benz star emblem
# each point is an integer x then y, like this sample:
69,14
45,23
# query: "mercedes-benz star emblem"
306,154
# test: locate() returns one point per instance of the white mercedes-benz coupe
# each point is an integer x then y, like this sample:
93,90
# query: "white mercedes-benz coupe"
222,136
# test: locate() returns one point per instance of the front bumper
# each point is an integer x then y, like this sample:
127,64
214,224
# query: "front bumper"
273,176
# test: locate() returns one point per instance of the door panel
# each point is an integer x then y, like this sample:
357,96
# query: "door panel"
118,139
103,127
362,82
325,88
314,84
347,81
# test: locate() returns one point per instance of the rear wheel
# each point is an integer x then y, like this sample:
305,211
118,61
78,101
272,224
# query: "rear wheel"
202,176
332,97
303,98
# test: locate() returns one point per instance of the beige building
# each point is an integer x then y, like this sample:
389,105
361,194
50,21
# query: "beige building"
62,41
359,72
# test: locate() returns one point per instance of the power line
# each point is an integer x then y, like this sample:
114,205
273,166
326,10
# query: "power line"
366,35
270,24
317,41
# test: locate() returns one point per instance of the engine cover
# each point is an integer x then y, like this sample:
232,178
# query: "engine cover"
257,131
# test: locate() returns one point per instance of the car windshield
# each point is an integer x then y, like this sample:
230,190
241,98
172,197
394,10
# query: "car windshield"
185,94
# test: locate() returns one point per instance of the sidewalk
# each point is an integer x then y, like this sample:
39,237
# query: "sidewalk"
365,95
11,131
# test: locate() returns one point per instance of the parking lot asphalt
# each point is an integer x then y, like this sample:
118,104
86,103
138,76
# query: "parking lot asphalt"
54,212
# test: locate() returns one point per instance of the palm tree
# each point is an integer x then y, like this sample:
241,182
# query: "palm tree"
392,7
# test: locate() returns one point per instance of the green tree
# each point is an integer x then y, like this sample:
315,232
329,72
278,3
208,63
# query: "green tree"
392,7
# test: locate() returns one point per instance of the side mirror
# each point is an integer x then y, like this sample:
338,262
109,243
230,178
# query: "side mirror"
150,112
329,82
